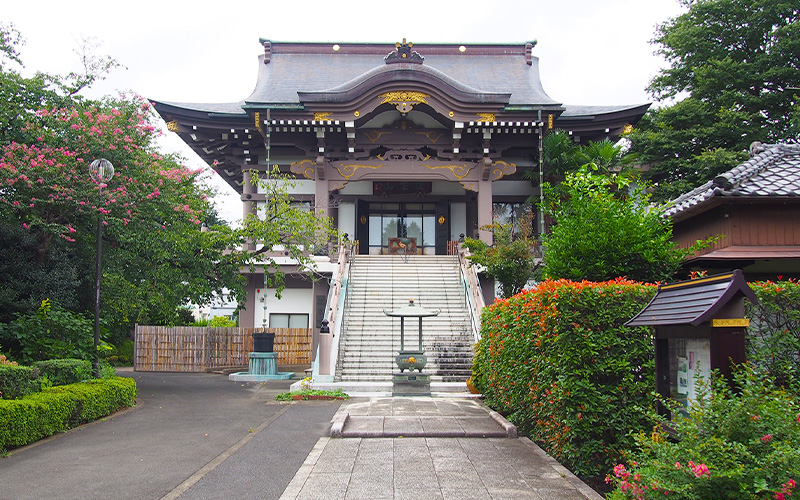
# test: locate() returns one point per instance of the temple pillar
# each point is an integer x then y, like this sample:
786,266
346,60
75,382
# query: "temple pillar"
485,210
321,196
247,310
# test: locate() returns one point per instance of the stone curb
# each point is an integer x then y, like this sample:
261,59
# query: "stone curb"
582,487
511,429
338,422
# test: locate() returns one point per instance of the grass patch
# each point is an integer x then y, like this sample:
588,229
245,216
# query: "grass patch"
308,394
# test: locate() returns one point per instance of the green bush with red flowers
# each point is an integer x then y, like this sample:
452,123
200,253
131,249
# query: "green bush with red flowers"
558,362
773,338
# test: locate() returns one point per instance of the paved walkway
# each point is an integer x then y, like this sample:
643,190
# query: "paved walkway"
428,448
201,436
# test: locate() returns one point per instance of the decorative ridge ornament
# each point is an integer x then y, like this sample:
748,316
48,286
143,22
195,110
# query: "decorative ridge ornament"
404,54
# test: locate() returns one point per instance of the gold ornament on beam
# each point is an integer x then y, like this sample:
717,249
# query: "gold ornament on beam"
321,117
173,126
304,167
486,118
459,171
502,168
257,120
349,170
374,135
404,100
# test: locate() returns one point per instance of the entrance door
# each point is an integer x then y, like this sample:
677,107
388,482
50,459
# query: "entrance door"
402,220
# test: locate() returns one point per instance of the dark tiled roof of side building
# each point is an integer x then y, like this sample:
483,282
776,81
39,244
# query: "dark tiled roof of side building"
773,170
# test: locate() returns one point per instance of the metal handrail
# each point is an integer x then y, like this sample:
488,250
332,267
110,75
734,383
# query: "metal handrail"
472,290
328,346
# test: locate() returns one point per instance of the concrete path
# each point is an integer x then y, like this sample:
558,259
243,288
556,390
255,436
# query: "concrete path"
191,435
366,463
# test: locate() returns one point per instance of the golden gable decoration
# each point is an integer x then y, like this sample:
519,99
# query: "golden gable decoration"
404,100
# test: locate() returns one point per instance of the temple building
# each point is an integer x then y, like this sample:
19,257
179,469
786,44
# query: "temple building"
419,143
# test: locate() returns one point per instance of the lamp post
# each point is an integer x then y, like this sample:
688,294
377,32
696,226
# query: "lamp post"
101,171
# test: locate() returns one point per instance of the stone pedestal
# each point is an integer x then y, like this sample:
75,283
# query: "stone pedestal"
263,363
263,366
411,384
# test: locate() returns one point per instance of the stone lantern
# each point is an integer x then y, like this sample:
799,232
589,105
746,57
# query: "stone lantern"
407,384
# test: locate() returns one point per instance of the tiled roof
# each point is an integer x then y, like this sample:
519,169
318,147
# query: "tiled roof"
692,302
772,171
287,74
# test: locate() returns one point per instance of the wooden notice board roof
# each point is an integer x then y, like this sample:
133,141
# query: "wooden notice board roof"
692,302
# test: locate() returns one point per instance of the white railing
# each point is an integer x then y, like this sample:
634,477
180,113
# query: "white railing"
472,291
328,347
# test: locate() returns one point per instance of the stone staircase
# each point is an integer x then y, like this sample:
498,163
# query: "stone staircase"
370,339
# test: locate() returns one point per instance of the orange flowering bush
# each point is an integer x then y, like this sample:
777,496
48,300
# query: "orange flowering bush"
558,362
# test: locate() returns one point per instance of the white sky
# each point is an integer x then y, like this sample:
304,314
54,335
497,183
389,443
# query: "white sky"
590,52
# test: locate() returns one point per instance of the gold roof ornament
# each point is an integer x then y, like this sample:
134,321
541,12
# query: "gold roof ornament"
404,100
486,118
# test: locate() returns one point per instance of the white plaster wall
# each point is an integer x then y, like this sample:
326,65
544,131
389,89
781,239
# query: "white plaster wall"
458,220
304,186
512,188
347,219
357,188
293,300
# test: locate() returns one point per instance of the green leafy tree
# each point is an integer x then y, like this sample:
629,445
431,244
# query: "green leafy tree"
604,228
50,332
733,68
512,259
562,155
284,228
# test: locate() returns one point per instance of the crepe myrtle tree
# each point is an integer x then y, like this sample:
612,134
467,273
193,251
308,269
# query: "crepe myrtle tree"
156,256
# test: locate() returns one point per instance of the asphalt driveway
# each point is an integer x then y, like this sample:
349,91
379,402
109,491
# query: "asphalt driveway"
191,436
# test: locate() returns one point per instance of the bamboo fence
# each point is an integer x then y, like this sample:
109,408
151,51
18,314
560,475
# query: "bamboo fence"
199,349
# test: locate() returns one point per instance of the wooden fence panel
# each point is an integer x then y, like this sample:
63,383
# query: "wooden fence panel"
198,349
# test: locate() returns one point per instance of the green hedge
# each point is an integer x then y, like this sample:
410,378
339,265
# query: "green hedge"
773,338
57,409
18,381
558,363
65,371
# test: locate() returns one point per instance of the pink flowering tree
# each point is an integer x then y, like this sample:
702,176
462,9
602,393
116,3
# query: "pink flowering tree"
157,256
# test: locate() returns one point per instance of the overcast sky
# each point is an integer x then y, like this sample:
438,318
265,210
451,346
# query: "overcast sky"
590,52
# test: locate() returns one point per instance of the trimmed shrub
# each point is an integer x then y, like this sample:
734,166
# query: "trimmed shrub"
17,381
57,409
740,444
100,397
773,338
65,371
558,362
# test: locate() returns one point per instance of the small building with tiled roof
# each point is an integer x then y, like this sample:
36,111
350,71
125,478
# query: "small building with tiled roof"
755,210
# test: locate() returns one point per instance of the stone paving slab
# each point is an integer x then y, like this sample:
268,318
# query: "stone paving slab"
419,417
429,448
431,468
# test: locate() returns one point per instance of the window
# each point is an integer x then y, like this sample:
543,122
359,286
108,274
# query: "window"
514,213
288,320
